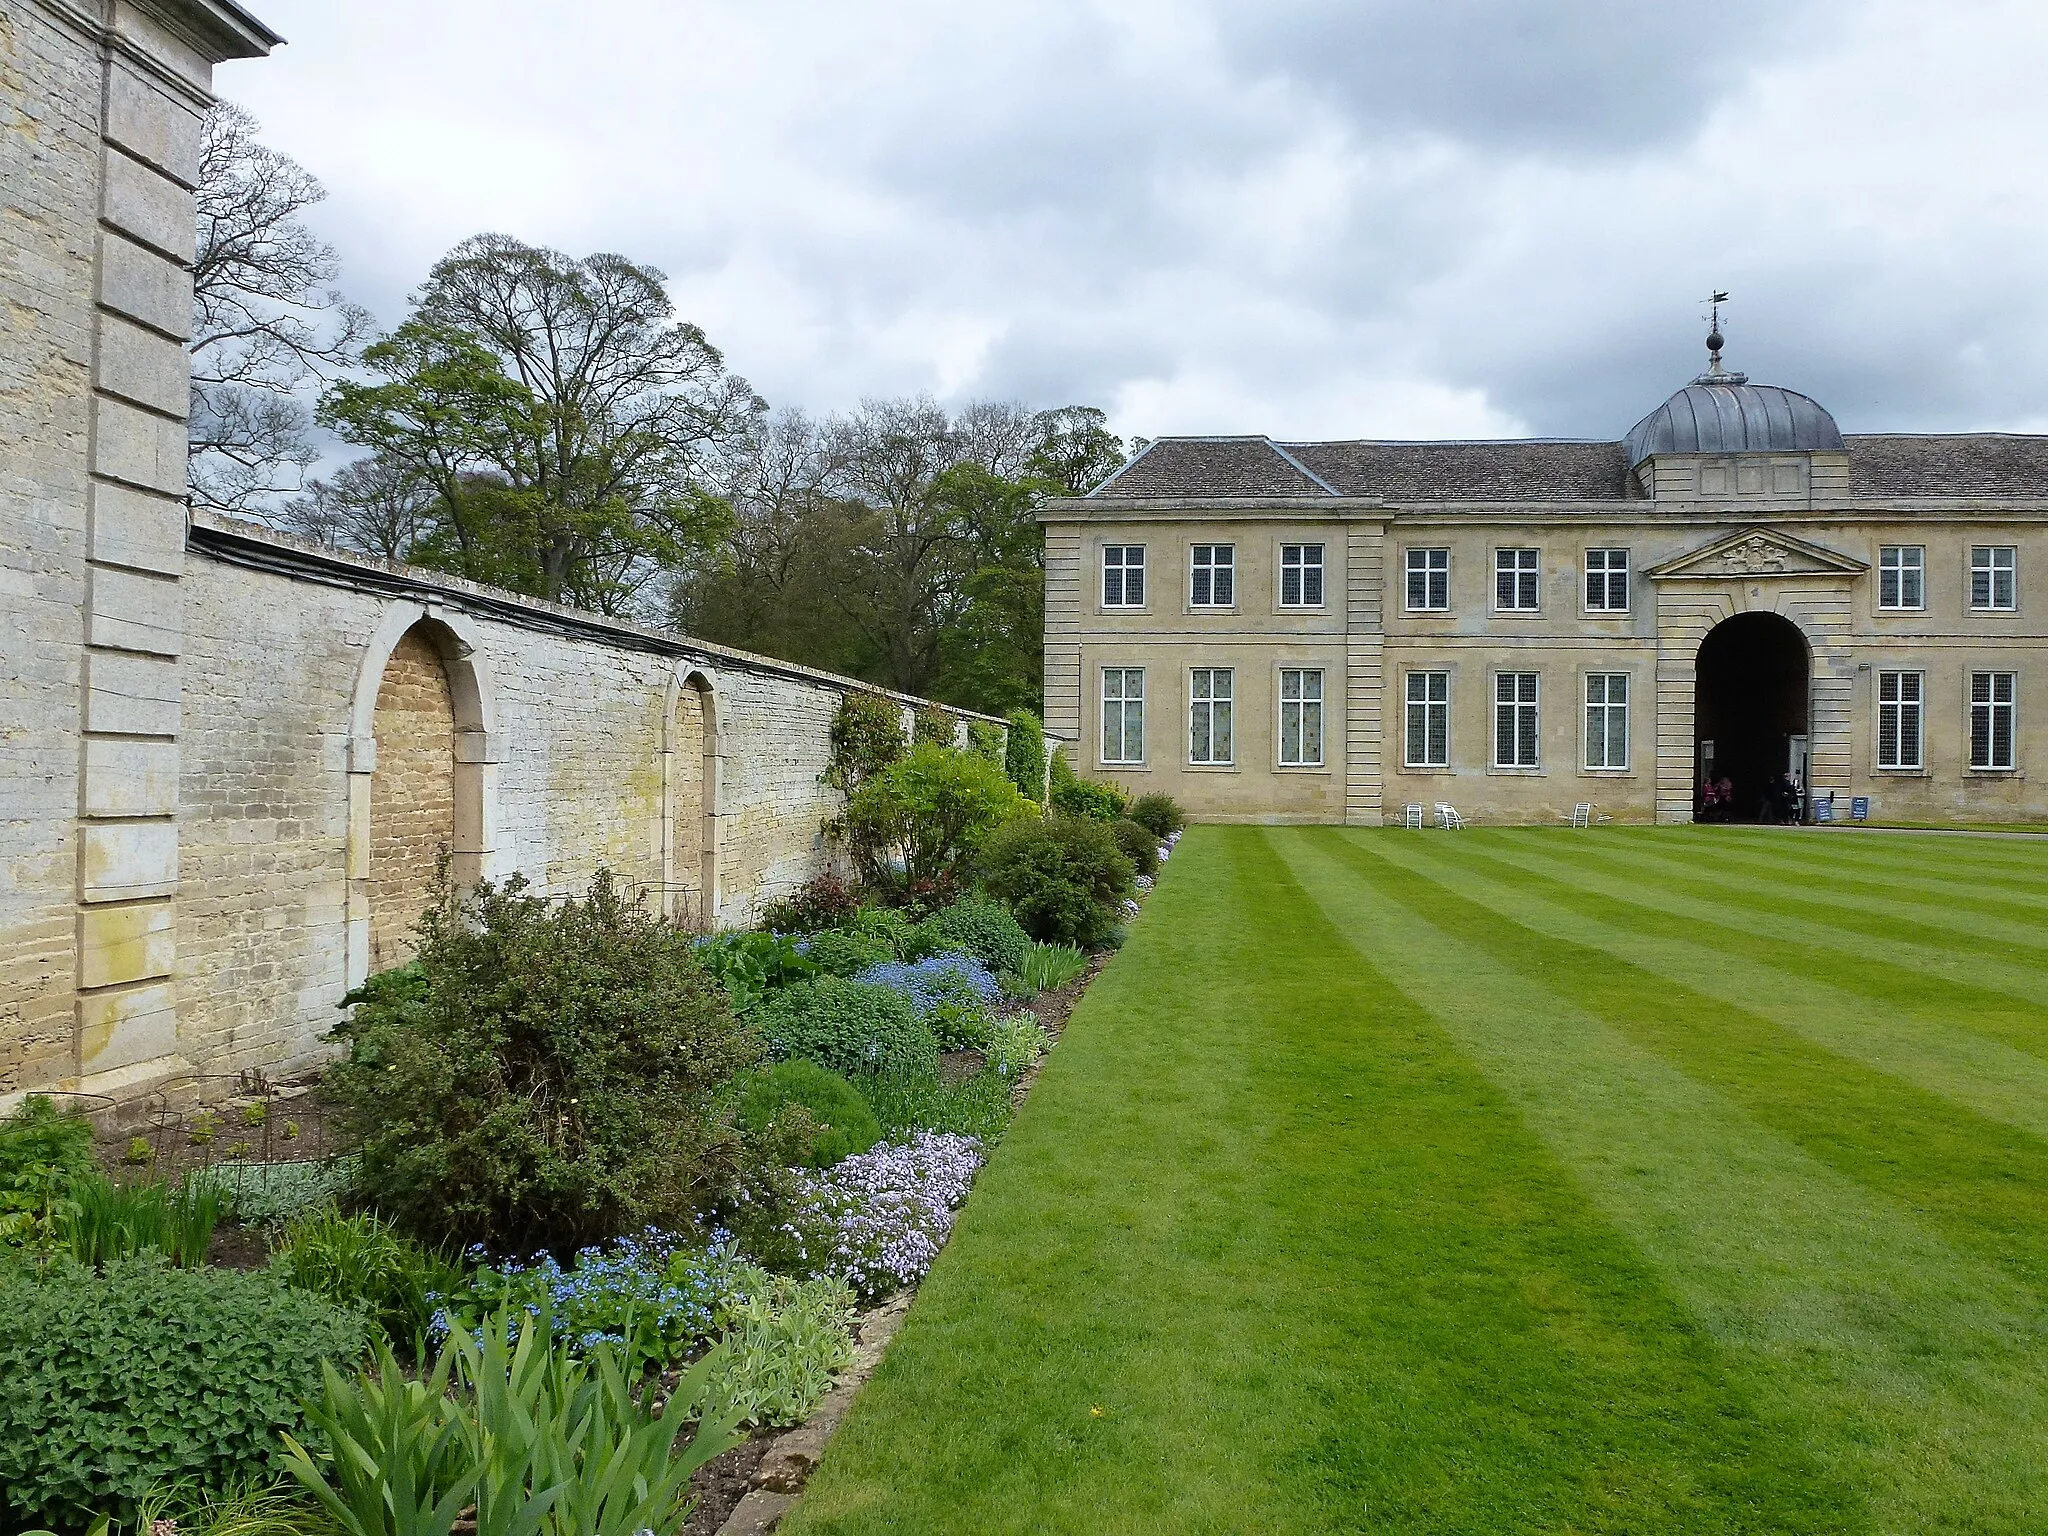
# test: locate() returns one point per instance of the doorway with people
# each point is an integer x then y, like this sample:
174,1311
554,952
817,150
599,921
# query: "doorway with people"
1751,721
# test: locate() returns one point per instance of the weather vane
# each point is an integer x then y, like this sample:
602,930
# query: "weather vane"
1715,300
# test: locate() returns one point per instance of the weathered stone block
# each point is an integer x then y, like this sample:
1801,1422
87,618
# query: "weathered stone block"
151,125
118,1029
124,944
135,446
130,778
132,612
131,695
137,529
124,860
149,206
137,282
143,367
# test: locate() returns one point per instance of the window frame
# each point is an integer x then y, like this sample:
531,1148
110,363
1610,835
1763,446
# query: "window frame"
1227,567
1430,707
1607,574
1533,705
1527,571
1992,708
1891,730
1896,571
1429,574
1991,571
1207,703
1126,701
1301,567
1123,569
1302,705
1608,707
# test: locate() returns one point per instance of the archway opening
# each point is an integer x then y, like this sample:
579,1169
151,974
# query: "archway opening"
412,793
1750,721
693,746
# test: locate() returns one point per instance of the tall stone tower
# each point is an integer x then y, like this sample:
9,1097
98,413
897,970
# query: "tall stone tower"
100,106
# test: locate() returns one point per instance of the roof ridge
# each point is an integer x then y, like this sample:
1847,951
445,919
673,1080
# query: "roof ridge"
1302,468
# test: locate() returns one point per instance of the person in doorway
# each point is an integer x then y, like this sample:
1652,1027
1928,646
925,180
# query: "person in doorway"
1724,790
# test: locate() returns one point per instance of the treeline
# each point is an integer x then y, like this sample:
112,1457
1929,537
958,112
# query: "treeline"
548,424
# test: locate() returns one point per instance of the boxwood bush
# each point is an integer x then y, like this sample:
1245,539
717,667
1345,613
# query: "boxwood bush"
840,1121
1161,815
141,1377
1139,844
976,926
1063,877
850,1027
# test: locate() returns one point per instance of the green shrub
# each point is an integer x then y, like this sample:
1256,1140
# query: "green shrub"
143,1376
976,926
1074,796
750,964
934,808
848,1026
846,951
1161,815
1024,755
780,1350
1062,876
1140,845
1015,1043
824,902
543,1075
867,736
43,1152
840,1121
889,924
985,739
271,1194
932,726
365,1263
1048,966
106,1222
908,1102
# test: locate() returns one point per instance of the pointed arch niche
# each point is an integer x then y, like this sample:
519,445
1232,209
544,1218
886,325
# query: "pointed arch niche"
422,756
692,754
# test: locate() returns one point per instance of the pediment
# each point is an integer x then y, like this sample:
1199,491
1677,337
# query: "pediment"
1753,552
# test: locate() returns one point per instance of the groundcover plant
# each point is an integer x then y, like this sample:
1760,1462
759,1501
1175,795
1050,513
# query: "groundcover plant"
1632,1180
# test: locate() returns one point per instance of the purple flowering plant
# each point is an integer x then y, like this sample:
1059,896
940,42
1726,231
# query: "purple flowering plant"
878,1219
950,993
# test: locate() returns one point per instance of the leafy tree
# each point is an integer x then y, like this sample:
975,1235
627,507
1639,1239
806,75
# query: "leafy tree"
266,319
561,415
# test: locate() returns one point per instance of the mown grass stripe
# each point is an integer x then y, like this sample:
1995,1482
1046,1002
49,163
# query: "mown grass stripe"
1669,884
2020,866
1983,1184
1903,889
1314,1270
1911,1369
1804,991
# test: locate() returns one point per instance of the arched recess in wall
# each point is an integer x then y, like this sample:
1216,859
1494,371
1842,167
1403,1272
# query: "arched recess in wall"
691,754
422,765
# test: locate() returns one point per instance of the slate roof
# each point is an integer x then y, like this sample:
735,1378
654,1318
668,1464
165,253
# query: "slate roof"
1962,464
1540,470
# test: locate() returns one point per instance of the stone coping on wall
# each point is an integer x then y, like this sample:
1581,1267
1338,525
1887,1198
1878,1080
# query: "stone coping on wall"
245,543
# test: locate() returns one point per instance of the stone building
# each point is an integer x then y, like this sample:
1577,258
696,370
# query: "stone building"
1735,590
230,762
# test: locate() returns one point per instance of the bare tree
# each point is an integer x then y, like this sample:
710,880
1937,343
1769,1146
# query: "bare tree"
371,505
267,322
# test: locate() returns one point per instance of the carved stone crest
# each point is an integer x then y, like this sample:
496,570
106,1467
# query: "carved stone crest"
1754,556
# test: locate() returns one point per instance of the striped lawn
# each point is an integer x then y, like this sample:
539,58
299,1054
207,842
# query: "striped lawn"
1687,1180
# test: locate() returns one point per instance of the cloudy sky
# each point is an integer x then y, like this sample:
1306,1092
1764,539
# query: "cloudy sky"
1312,218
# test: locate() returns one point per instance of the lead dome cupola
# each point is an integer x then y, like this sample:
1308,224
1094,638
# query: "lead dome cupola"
1721,412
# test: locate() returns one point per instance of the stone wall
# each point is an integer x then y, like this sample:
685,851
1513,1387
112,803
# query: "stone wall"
345,721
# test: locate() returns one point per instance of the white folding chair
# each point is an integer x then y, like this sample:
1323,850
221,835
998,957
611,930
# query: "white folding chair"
1582,814
1411,814
1448,818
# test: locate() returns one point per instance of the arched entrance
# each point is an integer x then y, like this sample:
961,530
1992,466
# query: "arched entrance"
1751,683
691,776
412,792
